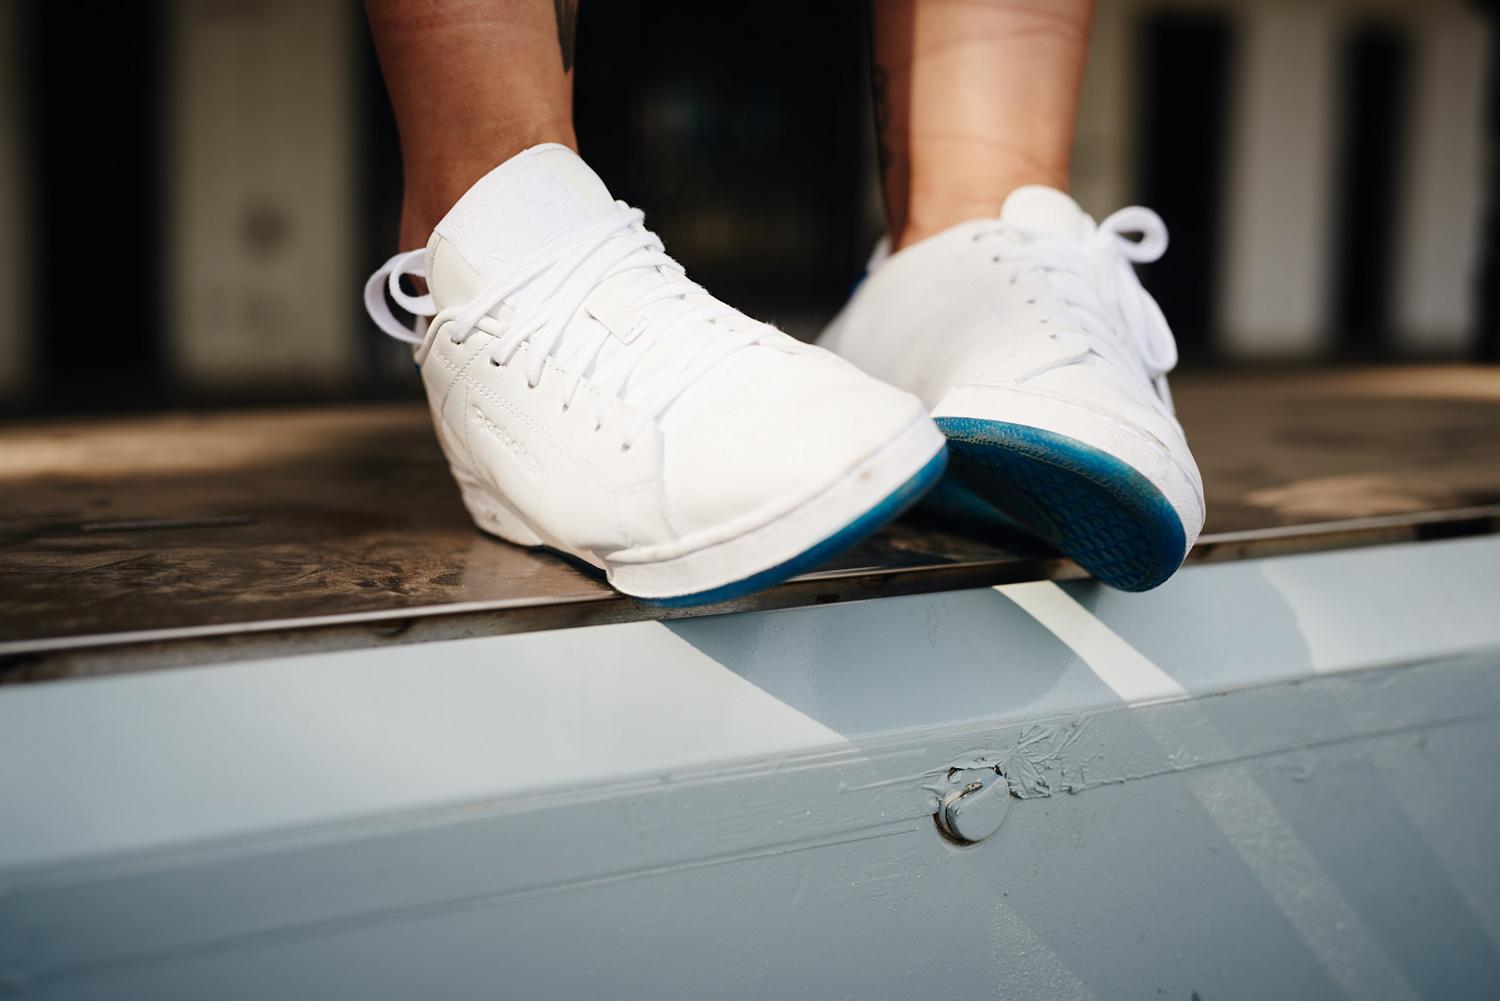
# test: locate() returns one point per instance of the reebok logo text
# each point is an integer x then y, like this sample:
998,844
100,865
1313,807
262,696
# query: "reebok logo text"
515,448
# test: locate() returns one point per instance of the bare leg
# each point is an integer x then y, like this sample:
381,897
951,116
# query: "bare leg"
473,82
974,98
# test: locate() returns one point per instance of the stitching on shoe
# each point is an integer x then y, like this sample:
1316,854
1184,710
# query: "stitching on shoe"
454,373
593,470
440,407
612,494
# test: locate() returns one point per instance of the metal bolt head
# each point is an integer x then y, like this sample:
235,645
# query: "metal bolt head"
975,806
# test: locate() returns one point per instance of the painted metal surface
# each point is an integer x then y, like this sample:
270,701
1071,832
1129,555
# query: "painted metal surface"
972,803
1270,778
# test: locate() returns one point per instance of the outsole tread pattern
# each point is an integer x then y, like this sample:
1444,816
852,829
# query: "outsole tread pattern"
1102,512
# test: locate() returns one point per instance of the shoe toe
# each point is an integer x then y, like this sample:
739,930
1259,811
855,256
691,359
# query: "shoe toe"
1102,388
772,430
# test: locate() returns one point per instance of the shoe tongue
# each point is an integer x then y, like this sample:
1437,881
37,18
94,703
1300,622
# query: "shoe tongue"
538,196
576,176
535,198
1045,210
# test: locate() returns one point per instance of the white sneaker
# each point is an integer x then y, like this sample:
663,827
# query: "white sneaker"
590,398
1044,361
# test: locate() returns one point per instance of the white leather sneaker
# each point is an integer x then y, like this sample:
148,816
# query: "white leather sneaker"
590,398
1044,361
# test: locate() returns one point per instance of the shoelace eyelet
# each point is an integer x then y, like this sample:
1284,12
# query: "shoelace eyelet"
585,261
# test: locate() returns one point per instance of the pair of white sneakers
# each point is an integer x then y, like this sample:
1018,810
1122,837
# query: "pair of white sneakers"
591,398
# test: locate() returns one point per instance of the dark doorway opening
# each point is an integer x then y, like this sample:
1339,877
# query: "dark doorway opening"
1186,57
1488,290
737,128
1374,66
388,365
94,118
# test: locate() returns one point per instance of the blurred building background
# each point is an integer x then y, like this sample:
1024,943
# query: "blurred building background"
192,191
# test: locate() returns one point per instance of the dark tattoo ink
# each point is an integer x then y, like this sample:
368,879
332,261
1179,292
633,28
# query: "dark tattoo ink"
567,29
880,85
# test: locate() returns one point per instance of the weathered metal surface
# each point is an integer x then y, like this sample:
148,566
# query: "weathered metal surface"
185,539
1297,447
742,806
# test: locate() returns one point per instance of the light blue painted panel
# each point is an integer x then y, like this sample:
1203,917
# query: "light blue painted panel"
1264,620
1088,896
1437,776
1389,604
1349,816
741,806
1207,624
127,763
233,897
898,664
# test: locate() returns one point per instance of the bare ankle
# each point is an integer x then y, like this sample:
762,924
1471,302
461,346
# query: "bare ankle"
930,211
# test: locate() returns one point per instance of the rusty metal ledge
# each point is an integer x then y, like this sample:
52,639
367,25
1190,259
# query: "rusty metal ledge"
57,658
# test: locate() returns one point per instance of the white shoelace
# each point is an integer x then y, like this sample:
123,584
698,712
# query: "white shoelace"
1095,278
547,289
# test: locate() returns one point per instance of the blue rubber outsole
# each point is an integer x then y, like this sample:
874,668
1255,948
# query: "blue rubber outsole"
1086,503
845,538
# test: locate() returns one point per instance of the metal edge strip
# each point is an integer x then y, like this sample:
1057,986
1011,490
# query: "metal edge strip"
1283,540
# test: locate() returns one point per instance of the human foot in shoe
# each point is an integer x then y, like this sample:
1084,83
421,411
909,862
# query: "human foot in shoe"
1044,361
592,399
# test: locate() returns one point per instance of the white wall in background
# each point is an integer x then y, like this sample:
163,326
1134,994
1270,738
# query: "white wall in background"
1439,232
16,344
1278,219
1280,207
260,186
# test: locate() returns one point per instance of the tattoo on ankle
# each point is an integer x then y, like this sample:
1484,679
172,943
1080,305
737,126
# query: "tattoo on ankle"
567,29
880,83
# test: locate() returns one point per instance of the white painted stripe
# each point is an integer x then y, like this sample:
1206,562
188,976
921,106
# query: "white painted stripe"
1025,966
1284,866
1119,665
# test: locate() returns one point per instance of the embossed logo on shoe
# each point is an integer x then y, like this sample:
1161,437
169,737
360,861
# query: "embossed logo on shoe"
507,440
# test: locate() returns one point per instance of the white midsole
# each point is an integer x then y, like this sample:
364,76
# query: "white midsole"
1092,427
762,547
